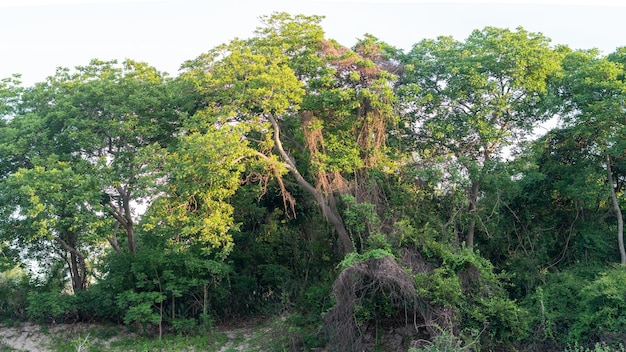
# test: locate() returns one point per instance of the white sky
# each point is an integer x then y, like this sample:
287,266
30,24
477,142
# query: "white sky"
36,36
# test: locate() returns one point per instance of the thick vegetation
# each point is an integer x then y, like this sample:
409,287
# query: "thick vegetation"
382,199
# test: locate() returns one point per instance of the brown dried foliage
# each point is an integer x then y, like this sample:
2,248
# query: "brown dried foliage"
371,123
383,276
328,182
370,128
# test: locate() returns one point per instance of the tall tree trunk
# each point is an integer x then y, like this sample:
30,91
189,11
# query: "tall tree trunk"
473,206
77,281
77,266
130,230
618,212
113,239
328,207
123,217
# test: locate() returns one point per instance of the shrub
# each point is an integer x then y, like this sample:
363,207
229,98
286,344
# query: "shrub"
445,342
603,316
14,289
464,286
51,307
598,347
579,306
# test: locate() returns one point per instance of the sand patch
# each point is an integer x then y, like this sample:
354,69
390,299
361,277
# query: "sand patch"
25,337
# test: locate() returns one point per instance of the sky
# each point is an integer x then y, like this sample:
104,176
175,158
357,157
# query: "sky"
37,36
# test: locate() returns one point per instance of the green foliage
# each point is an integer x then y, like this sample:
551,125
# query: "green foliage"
10,89
363,224
555,306
598,347
446,342
14,290
50,307
355,258
472,99
99,303
467,283
359,217
168,343
194,209
157,286
275,165
602,314
139,306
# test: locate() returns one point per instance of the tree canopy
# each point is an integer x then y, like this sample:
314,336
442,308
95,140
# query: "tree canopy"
384,199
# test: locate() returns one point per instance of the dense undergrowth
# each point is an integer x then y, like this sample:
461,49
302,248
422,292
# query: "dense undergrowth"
351,199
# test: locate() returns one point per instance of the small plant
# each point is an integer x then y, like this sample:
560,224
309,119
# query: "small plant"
5,348
82,343
184,326
140,307
598,347
50,307
446,342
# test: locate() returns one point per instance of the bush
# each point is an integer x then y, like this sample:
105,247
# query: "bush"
184,326
445,342
51,307
14,289
469,295
579,306
99,303
598,347
603,316
139,307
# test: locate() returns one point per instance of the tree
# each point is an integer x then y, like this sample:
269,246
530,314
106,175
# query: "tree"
469,100
10,93
105,114
10,90
593,92
313,109
53,208
199,176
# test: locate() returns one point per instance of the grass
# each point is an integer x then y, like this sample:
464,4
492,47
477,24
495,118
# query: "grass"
108,339
598,347
277,334
5,348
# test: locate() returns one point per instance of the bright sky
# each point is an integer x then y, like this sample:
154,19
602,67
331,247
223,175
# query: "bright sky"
36,36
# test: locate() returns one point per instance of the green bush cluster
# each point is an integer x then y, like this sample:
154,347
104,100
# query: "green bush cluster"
14,288
581,306
349,187
468,283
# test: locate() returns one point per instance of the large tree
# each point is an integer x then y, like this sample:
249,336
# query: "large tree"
52,211
467,101
314,109
593,90
199,176
103,114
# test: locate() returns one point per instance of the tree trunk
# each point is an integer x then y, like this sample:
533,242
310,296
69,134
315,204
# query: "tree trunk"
77,266
130,231
618,212
113,239
123,217
473,200
328,207
205,300
79,272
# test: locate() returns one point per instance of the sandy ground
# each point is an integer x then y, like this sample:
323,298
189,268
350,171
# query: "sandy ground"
30,337
26,337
